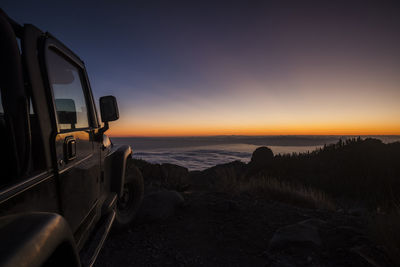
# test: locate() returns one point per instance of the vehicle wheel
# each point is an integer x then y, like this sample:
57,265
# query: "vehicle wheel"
131,198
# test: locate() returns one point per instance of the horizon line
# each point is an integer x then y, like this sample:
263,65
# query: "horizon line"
248,135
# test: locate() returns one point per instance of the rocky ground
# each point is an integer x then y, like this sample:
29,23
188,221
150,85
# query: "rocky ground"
185,222
216,229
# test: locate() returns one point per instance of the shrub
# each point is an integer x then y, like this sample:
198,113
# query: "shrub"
274,189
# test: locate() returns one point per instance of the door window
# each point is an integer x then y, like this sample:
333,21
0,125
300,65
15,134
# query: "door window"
68,90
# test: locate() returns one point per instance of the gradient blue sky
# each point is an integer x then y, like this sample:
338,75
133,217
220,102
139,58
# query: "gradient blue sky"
235,67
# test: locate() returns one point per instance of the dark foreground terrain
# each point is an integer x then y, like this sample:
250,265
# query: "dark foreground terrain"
234,215
214,229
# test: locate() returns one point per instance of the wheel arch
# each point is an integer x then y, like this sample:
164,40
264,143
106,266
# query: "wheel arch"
115,167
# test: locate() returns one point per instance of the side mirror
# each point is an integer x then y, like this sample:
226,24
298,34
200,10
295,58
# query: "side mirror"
109,108
66,111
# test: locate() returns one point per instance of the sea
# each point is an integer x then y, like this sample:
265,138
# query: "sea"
199,153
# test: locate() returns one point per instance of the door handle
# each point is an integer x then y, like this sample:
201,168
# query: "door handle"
69,148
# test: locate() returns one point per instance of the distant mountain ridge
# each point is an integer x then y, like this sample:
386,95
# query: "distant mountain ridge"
146,143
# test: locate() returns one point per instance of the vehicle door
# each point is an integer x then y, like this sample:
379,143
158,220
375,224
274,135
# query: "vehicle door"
78,164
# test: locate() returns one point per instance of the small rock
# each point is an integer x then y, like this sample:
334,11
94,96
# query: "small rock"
224,206
350,231
313,222
357,211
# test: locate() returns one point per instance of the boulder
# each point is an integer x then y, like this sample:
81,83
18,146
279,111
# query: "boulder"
261,158
262,155
152,174
220,177
174,176
303,234
165,175
160,205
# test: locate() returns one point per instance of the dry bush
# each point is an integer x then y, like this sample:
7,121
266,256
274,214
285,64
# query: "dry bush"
271,188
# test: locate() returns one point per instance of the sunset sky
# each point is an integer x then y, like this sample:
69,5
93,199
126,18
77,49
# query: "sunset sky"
235,67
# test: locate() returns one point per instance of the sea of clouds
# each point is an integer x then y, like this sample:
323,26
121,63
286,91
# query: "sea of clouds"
198,159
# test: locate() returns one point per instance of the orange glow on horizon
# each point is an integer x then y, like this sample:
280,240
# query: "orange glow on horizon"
170,131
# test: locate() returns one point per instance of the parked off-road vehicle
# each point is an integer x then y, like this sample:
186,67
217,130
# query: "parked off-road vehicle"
63,183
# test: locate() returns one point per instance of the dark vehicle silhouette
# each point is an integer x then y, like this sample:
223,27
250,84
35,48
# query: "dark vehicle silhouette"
63,183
